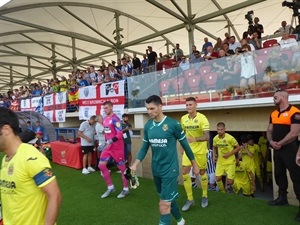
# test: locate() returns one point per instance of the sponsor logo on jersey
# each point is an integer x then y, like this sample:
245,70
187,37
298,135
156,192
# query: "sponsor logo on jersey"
10,170
31,158
195,127
165,127
158,141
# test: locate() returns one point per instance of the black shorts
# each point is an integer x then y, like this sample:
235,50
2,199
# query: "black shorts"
87,149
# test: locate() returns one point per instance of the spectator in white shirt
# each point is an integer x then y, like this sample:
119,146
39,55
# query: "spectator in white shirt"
284,28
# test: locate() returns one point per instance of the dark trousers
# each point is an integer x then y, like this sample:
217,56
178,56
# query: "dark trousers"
285,159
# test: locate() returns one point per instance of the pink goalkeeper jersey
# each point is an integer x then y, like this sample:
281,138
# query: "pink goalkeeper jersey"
113,128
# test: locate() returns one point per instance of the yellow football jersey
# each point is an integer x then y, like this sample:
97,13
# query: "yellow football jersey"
195,128
242,174
257,154
249,161
262,142
224,146
23,201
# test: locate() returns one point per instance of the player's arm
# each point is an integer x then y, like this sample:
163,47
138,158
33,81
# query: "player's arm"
215,155
80,134
252,180
119,133
54,201
294,131
235,150
204,137
249,150
270,134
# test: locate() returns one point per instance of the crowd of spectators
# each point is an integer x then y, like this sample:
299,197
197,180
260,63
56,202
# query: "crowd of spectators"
239,69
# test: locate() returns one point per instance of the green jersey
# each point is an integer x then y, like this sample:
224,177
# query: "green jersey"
162,137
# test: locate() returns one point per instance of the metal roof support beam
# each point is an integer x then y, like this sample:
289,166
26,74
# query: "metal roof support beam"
60,32
16,72
53,62
11,79
167,10
227,18
29,71
189,27
86,24
205,32
74,58
180,10
33,40
21,65
18,53
226,10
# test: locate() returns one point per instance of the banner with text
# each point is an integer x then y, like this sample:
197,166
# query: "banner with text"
55,106
92,97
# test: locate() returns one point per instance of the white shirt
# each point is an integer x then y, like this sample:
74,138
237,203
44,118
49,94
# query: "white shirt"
288,43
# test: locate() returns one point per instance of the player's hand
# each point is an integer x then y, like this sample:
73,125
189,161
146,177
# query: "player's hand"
226,156
298,159
275,145
191,139
215,159
133,168
196,170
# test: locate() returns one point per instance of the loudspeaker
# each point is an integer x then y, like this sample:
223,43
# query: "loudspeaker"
27,136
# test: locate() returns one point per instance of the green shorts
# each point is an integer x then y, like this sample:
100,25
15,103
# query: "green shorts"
167,188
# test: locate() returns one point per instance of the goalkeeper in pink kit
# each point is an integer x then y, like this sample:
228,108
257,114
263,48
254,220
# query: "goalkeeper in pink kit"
114,148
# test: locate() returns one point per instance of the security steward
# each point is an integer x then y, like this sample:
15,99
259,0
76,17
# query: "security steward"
282,133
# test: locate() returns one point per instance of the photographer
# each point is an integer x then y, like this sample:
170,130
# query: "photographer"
257,28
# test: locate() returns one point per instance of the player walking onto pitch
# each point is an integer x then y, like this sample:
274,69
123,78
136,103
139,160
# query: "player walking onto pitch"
161,133
196,127
114,149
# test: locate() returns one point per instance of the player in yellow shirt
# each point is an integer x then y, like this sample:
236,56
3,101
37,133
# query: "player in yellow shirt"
263,145
29,191
196,127
244,179
257,162
224,149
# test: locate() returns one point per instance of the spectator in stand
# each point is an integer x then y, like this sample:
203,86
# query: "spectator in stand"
91,77
218,46
284,28
45,90
39,129
145,64
233,44
245,42
228,51
29,126
192,55
63,84
100,78
184,64
197,60
136,62
119,66
129,61
206,45
161,57
126,69
286,42
54,86
258,27
255,41
113,73
107,78
152,59
81,81
210,54
248,71
178,53
227,38
246,35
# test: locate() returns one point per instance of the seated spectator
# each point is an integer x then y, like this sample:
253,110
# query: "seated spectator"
255,42
233,44
284,28
184,64
228,51
210,54
248,71
286,42
218,45
197,60
29,126
227,38
192,55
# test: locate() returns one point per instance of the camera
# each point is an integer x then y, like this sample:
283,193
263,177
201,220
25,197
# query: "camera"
248,17
241,51
295,5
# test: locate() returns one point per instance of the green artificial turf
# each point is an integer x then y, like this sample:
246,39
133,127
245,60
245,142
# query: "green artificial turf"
82,204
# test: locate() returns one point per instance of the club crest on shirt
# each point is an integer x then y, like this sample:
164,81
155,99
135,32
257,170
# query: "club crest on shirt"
285,114
165,127
48,173
195,121
10,170
118,124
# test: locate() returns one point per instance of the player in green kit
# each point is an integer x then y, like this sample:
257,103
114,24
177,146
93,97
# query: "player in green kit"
161,133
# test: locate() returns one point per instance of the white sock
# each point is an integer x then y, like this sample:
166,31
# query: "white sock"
125,189
111,187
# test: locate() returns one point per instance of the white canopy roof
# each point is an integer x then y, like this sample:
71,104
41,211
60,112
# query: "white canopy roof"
41,38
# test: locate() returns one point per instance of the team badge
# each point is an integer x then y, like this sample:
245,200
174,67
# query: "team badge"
10,170
195,121
165,127
48,173
285,114
86,92
63,154
118,124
